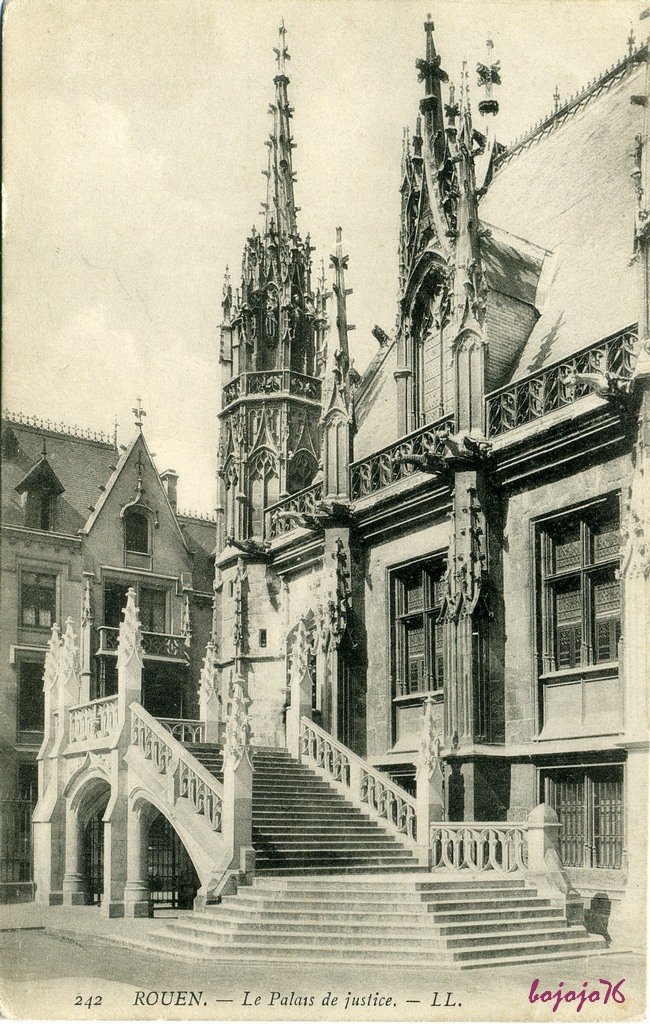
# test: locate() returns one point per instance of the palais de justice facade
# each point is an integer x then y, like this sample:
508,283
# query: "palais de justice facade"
422,630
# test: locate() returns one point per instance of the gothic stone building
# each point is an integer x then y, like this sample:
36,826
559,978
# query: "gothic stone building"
462,525
431,582
82,521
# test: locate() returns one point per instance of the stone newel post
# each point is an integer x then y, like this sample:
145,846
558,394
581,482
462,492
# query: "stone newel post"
545,868
429,781
237,813
124,886
300,684
209,696
48,817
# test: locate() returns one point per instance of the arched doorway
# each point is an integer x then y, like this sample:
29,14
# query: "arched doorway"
91,818
173,881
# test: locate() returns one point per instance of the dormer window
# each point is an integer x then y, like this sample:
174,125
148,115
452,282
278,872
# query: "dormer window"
40,489
138,521
136,531
39,510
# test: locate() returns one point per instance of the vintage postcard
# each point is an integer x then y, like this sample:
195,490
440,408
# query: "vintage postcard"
323,651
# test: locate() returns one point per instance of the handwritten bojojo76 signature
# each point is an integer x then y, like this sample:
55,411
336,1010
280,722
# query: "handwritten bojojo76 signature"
601,992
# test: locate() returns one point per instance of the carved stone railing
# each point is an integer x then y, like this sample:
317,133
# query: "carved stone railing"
96,720
385,467
191,780
271,382
366,787
479,846
554,387
162,646
185,730
276,519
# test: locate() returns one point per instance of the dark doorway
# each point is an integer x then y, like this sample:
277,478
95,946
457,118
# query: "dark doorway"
173,881
93,854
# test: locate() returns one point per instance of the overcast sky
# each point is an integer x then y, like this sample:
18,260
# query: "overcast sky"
133,149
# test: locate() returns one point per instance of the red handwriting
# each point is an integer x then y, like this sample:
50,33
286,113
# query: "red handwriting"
588,993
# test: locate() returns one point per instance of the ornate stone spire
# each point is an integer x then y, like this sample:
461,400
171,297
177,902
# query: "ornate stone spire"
337,418
280,203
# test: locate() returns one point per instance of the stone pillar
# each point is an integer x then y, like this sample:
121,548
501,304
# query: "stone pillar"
48,821
209,695
429,781
73,881
300,687
136,889
545,869
129,658
85,637
116,828
237,813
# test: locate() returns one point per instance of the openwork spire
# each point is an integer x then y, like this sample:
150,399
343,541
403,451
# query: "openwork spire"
280,207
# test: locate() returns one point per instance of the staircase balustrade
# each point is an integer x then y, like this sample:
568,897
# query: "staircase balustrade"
96,720
185,730
193,781
364,785
480,846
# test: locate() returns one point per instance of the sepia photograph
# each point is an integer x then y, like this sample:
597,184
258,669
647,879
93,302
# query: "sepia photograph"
325,461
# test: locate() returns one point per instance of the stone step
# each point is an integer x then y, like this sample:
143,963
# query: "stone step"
478,901
403,867
452,919
390,884
415,917
372,902
344,830
326,841
570,942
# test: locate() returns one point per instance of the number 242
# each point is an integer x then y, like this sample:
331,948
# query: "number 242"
90,1001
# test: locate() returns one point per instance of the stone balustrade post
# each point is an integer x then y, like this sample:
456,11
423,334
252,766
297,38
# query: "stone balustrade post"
356,778
237,809
545,869
300,684
210,707
429,779
129,659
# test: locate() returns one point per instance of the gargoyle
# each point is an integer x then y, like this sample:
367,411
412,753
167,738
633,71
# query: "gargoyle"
427,463
602,383
249,546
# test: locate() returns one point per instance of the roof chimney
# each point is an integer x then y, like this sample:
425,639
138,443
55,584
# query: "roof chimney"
170,480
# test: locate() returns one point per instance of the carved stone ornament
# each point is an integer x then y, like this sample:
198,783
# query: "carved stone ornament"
186,621
333,597
238,730
129,644
302,646
52,660
238,626
208,680
430,743
68,676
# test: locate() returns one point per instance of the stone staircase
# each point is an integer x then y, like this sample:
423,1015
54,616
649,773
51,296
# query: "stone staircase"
302,825
396,920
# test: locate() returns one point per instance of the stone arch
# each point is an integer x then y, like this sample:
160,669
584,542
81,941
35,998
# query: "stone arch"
89,800
263,487
143,807
426,340
145,815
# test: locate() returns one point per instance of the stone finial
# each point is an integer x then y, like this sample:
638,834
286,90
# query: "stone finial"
238,729
300,649
129,644
186,620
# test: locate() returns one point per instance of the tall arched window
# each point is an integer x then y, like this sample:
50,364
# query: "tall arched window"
136,531
264,488
230,479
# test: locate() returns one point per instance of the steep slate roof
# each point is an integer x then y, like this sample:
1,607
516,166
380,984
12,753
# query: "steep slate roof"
201,537
568,190
80,463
